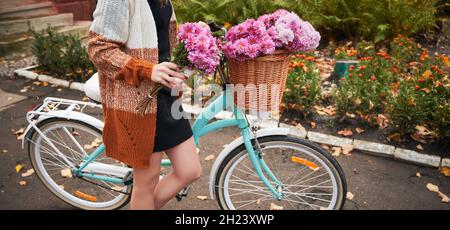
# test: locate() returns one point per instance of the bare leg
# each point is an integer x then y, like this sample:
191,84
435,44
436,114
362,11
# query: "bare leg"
186,169
144,183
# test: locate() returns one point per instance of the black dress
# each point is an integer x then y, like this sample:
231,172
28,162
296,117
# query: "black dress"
170,131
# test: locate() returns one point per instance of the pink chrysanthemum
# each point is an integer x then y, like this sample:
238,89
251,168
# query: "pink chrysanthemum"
201,46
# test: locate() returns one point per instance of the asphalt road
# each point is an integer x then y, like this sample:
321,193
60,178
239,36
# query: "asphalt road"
376,183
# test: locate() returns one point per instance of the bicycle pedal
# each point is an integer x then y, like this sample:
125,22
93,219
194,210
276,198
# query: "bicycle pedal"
182,194
128,178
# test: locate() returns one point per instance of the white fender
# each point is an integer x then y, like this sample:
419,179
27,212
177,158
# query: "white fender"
69,115
236,143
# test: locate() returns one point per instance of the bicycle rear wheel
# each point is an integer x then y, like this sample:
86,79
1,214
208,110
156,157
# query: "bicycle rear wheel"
311,179
75,140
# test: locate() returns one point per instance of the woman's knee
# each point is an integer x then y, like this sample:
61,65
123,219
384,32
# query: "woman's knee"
190,174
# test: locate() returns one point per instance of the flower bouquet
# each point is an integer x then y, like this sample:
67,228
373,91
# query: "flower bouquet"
258,51
197,51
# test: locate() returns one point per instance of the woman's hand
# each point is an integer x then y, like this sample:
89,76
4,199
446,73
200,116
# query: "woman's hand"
167,74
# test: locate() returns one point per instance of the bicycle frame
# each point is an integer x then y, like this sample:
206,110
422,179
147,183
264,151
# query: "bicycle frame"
202,126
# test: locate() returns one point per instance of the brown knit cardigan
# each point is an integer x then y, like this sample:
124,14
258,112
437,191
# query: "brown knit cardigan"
123,45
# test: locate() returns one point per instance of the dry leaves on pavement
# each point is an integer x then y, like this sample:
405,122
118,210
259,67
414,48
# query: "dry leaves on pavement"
419,147
336,151
360,130
29,172
66,173
19,167
347,149
202,197
346,132
20,134
350,196
435,189
275,207
445,171
394,137
210,157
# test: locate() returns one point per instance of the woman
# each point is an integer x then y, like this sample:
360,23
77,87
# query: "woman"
127,40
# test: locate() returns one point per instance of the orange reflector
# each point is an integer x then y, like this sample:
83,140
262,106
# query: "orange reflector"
305,162
85,196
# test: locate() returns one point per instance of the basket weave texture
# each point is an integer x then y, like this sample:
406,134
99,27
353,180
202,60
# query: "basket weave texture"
260,83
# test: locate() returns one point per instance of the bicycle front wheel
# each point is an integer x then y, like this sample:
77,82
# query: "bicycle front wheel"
67,144
311,179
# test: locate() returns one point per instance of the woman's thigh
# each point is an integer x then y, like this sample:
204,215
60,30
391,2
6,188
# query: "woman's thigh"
185,160
149,176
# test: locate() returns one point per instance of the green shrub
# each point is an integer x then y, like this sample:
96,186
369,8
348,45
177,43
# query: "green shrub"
303,84
62,55
423,98
365,90
221,11
335,19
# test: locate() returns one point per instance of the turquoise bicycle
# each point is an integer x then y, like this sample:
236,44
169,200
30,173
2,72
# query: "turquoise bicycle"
263,169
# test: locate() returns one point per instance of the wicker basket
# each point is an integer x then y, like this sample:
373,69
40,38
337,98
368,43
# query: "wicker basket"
260,81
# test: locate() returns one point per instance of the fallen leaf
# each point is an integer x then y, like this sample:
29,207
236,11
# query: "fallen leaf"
330,110
29,172
382,121
347,149
351,115
202,197
210,157
444,197
422,130
432,187
419,147
61,186
75,133
445,171
324,146
394,137
20,134
313,125
44,84
19,167
23,183
275,207
37,83
350,196
346,132
85,98
416,137
66,173
360,130
95,143
418,175
337,151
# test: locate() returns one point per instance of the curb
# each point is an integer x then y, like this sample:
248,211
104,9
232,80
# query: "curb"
372,148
